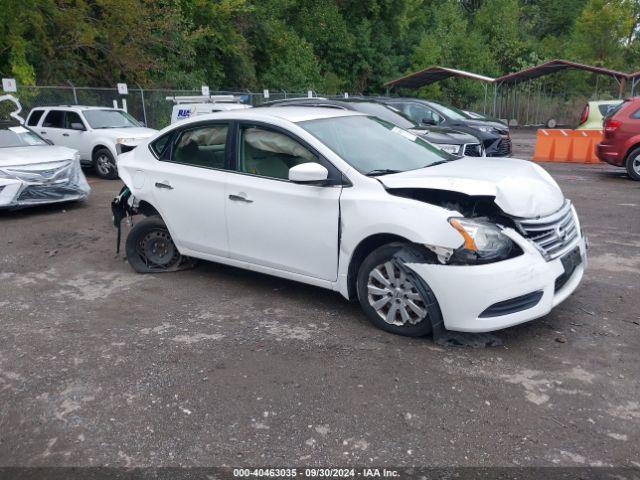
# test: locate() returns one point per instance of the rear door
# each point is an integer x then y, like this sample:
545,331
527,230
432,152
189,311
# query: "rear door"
188,184
273,222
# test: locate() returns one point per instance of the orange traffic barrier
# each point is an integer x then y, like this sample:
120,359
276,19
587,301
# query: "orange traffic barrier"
563,145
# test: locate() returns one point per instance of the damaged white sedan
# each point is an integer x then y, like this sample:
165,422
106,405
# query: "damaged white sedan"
34,172
333,198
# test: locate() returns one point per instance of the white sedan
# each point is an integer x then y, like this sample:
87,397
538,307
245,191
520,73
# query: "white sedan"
33,172
352,203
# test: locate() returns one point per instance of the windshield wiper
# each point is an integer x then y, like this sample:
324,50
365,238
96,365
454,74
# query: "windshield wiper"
381,171
440,162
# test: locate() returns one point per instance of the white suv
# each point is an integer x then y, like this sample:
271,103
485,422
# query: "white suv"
350,202
93,131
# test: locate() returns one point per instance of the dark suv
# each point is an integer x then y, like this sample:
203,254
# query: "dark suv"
450,140
493,133
620,145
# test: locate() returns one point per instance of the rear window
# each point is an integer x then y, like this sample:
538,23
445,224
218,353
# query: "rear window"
612,111
604,109
34,118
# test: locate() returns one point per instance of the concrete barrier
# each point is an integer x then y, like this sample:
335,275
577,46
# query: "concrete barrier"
565,145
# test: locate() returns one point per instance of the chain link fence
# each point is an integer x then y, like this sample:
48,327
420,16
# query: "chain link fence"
146,105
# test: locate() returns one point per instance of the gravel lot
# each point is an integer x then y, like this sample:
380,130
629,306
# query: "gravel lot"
219,366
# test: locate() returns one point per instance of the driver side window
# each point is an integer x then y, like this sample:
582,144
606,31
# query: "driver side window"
268,153
421,114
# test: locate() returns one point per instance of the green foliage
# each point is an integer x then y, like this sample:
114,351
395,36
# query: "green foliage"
294,45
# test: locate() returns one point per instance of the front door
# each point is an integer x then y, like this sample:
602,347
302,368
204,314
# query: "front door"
276,223
188,183
53,127
74,138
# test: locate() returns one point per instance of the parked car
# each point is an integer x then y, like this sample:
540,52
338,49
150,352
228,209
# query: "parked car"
191,106
493,133
34,172
93,131
350,202
620,145
448,139
594,112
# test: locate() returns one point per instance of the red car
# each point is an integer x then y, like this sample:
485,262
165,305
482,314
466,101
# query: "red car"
620,145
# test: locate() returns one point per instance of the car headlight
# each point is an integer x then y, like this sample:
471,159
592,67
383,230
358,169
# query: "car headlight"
486,129
483,241
126,140
453,149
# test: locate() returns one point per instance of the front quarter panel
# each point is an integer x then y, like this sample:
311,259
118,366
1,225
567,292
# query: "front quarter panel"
370,210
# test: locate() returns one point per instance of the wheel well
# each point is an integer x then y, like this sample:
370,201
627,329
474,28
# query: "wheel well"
631,149
364,248
96,148
146,209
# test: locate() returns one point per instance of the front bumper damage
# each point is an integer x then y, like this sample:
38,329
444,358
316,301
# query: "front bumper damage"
484,298
45,183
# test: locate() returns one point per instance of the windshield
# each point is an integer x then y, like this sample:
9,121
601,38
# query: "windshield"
371,145
110,119
452,112
386,113
19,137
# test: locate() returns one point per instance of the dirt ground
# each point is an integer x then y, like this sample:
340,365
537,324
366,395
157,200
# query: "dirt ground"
219,366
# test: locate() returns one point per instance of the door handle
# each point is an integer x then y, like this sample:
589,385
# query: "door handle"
43,133
166,185
240,198
65,134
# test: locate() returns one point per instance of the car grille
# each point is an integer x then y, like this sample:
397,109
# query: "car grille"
555,234
45,174
472,150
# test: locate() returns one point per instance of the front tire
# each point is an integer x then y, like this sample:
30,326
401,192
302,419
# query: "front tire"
394,298
104,164
150,248
633,164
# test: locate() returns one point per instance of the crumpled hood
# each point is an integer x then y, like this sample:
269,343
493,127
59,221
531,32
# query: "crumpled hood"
521,188
34,154
127,132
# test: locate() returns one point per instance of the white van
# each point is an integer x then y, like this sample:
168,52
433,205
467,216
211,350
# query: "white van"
191,106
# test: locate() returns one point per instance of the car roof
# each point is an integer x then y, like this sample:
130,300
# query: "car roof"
74,107
292,113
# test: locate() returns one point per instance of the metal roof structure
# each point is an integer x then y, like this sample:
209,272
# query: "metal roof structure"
437,73
434,74
556,65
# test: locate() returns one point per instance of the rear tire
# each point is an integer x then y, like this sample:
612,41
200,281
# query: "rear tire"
104,164
394,298
633,164
150,248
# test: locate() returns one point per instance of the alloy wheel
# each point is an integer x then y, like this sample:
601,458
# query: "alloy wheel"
104,164
394,297
635,165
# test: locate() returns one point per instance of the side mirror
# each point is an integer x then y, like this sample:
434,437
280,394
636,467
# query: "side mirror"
77,126
429,121
308,173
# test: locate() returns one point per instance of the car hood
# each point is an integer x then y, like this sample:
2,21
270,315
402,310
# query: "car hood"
521,188
34,154
444,135
130,132
481,122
